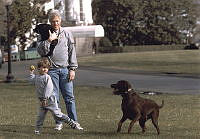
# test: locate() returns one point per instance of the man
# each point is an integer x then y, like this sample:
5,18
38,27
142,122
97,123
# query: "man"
63,64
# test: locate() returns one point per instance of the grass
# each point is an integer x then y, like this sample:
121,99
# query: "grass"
179,61
98,112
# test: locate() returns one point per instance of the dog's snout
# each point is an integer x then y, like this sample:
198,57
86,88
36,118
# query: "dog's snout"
113,86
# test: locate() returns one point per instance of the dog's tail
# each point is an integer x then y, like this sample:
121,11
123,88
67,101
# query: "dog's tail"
161,104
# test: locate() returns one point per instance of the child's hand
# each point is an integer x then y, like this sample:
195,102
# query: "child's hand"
32,68
44,103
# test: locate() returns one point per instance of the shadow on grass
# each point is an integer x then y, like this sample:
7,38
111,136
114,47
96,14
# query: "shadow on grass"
29,129
24,131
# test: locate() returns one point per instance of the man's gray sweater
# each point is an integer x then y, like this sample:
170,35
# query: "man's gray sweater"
64,54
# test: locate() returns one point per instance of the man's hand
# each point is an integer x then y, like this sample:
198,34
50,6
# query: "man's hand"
71,75
52,36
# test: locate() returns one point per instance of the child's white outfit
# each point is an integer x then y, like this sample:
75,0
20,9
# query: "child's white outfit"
44,90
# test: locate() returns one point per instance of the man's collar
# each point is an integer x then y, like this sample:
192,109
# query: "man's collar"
61,29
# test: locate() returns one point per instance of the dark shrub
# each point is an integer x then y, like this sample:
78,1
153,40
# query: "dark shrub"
105,46
105,42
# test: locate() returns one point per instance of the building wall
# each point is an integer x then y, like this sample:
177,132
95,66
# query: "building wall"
84,46
80,11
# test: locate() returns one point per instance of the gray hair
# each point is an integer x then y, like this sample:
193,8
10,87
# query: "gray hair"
53,14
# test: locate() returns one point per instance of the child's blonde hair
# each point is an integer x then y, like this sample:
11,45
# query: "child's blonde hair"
44,63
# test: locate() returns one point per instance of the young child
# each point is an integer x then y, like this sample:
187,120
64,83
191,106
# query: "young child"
48,102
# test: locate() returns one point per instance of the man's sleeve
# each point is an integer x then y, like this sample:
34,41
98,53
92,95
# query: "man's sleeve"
73,64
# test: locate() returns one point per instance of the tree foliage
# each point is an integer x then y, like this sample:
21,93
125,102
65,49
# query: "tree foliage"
23,14
145,21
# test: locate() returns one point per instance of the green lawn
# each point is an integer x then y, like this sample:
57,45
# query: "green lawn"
177,61
98,112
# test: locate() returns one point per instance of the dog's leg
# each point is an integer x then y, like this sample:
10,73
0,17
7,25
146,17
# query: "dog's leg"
137,117
120,123
144,116
142,124
154,119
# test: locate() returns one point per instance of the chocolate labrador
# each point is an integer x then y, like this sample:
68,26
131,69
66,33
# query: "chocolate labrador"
135,107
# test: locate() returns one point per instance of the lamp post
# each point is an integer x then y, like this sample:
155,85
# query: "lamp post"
9,77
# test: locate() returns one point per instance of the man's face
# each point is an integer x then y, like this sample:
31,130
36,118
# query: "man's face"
56,22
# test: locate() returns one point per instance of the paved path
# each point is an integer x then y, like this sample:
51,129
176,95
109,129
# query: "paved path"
143,82
158,83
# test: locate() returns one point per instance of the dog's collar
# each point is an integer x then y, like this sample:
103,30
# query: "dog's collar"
129,91
125,92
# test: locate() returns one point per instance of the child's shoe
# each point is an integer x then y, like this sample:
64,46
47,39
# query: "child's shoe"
74,125
58,127
78,126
